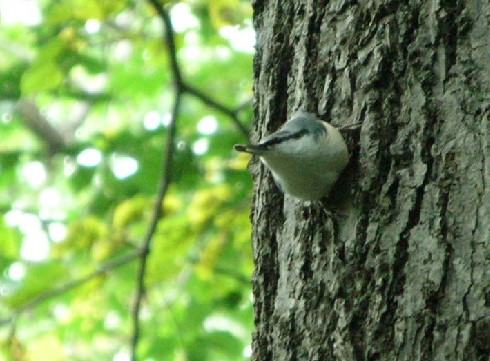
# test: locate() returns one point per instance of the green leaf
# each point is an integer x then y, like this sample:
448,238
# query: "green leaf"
42,76
9,242
225,343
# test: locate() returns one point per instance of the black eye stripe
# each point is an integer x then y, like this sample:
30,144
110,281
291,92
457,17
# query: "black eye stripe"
279,140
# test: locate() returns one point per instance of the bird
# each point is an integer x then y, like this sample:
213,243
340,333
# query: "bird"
305,156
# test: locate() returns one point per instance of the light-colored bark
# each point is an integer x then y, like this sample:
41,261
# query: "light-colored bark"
406,275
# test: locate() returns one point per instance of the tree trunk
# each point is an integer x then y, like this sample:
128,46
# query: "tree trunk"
405,273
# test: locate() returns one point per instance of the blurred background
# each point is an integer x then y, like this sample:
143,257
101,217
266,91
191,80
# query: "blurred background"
86,97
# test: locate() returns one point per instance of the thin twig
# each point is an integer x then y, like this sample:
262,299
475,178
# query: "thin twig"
166,172
206,99
157,215
103,269
169,42
165,178
180,83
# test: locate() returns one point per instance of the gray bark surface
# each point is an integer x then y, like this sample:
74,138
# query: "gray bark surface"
405,275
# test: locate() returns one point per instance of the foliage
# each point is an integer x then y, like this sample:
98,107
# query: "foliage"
98,72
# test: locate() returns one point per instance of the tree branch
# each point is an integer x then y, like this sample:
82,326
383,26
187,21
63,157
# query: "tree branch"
105,268
181,87
206,99
181,84
40,126
169,38
57,139
165,179
157,215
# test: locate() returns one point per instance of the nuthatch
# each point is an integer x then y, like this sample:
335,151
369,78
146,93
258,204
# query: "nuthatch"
305,156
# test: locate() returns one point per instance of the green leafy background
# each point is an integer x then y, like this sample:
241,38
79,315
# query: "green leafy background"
98,71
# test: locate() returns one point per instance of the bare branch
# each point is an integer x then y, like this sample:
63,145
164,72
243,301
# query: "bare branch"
165,179
179,81
206,99
40,126
181,87
169,41
103,269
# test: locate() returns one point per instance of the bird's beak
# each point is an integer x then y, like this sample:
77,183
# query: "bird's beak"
250,148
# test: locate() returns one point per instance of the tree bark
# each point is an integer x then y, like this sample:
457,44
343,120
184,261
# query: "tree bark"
405,273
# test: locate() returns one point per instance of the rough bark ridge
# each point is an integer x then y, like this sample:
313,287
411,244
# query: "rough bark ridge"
406,277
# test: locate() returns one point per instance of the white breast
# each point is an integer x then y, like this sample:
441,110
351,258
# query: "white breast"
307,169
